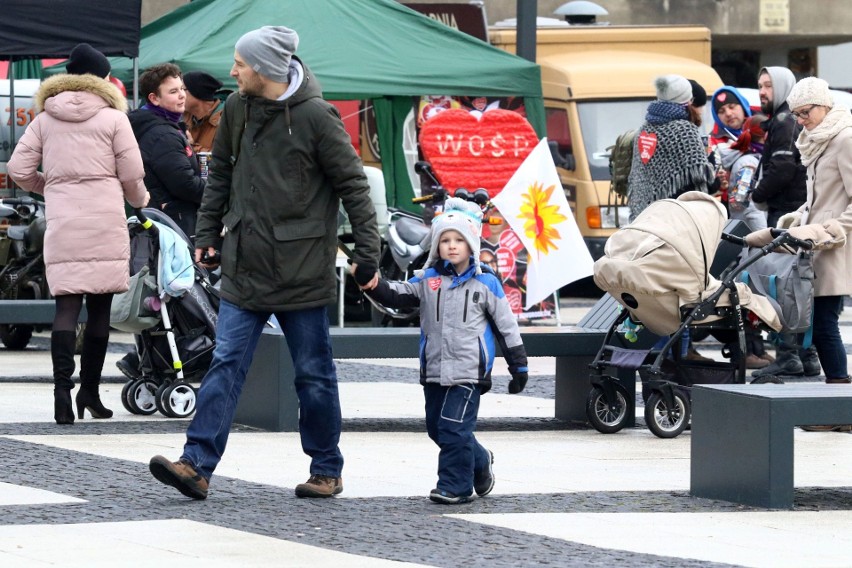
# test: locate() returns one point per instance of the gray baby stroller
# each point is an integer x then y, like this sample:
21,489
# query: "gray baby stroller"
174,321
658,269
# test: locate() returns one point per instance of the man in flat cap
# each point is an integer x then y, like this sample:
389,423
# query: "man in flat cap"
204,105
282,163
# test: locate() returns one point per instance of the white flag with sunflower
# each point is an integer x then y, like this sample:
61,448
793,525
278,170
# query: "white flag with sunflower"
533,203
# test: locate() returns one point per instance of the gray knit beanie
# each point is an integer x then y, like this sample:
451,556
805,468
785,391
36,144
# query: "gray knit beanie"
462,216
268,51
673,88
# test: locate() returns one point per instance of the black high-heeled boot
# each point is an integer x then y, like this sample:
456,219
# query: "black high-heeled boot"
62,355
91,367
63,412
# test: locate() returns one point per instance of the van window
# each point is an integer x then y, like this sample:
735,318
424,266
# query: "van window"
601,122
559,136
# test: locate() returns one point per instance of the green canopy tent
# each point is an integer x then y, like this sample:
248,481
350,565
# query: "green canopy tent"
358,49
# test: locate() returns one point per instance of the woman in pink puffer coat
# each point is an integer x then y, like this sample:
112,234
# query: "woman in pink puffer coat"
91,164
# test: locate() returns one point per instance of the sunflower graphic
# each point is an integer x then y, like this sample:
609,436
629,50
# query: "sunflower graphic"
540,217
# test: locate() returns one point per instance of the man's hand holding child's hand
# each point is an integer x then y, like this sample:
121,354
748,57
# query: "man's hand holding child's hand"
365,275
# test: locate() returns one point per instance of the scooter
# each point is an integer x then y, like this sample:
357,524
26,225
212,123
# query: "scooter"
22,275
406,248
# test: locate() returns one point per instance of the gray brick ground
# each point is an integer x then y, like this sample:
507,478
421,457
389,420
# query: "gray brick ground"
405,529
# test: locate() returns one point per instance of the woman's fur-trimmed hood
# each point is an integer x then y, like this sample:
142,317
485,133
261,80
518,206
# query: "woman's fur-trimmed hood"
59,84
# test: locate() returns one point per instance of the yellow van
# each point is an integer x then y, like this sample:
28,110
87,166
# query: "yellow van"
597,82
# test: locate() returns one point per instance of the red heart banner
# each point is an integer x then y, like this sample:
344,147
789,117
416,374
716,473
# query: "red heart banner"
647,146
470,152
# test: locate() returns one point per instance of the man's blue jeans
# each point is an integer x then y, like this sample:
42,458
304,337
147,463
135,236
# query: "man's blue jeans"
451,414
237,334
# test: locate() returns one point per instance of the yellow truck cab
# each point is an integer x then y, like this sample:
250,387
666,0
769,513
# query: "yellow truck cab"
597,82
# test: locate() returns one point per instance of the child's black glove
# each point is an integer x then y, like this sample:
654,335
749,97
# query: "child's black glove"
364,273
518,382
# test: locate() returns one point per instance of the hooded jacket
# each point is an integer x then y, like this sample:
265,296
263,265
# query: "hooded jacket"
278,174
722,133
462,318
781,177
172,171
90,164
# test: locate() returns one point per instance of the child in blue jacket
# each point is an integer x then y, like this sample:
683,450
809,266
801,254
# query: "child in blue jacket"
463,315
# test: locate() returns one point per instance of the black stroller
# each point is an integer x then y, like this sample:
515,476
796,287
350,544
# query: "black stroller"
174,335
658,269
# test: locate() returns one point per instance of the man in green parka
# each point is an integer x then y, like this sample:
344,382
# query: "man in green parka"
282,163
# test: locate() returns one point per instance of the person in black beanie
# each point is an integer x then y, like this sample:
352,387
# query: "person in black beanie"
85,59
699,100
204,105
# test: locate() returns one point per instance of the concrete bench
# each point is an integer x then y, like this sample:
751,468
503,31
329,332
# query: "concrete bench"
269,399
742,437
31,312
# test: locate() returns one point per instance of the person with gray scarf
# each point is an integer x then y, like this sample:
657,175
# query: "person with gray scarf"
669,157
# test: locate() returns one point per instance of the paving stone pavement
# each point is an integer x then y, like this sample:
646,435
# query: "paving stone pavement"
80,466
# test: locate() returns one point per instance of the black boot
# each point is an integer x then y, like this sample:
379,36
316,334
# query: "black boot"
91,367
810,361
62,354
787,362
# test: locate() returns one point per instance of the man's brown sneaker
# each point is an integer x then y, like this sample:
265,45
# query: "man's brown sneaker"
320,486
179,475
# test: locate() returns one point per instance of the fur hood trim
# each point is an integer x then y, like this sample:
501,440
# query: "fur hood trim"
61,83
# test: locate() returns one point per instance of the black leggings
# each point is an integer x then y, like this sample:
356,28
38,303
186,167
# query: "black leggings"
68,312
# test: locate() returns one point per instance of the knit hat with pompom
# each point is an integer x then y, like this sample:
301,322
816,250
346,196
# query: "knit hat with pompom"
462,216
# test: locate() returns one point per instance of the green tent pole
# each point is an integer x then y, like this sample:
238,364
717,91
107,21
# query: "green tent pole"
534,107
390,118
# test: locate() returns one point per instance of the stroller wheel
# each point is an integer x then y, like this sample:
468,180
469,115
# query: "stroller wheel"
609,418
140,397
766,379
125,402
658,419
160,401
179,399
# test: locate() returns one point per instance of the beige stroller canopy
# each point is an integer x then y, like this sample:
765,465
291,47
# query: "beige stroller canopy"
661,262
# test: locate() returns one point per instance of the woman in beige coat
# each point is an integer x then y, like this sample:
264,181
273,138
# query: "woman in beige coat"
825,144
91,163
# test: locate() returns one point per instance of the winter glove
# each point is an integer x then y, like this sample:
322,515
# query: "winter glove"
759,238
364,273
827,235
518,382
789,220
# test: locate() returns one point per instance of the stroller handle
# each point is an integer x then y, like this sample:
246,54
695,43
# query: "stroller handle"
789,239
146,223
781,237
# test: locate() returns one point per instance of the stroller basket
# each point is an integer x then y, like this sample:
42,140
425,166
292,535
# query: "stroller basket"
689,373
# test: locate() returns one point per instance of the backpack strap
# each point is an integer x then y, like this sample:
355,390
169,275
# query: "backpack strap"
237,113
